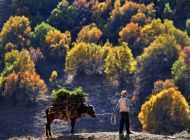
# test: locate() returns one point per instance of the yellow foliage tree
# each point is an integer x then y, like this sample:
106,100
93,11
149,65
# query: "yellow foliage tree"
53,75
89,34
84,58
16,31
165,112
21,61
119,63
57,44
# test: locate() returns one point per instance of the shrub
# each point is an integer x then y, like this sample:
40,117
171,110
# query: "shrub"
70,17
181,72
119,63
121,16
141,19
165,112
57,44
156,28
38,36
155,63
89,34
24,87
53,76
83,58
16,31
21,61
162,85
130,34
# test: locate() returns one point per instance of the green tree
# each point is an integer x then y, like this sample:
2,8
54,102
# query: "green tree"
119,64
38,36
165,112
70,17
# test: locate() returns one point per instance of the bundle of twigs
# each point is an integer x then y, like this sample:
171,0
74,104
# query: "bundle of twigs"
66,100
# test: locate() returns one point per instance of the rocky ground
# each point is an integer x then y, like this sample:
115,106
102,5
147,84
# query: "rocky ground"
111,136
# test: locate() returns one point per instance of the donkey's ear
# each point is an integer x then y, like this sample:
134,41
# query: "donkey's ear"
91,106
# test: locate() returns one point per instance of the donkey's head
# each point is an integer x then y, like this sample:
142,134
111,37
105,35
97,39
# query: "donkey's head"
90,111
87,110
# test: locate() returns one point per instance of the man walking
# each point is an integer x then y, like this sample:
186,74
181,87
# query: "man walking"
123,105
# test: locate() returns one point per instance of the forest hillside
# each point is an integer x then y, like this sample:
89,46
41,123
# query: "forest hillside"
104,47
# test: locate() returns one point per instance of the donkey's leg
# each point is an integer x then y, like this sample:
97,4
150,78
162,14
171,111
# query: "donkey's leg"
47,129
50,130
72,125
50,118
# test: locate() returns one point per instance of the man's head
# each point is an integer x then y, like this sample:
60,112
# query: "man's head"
123,93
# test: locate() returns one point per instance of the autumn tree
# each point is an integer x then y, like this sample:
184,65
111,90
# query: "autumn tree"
106,48
89,34
83,58
101,15
53,76
165,112
119,64
130,34
119,17
24,87
38,36
141,19
178,7
181,72
57,44
151,31
19,81
21,61
16,31
155,63
163,85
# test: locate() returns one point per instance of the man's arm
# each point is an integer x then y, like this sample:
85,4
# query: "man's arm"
127,103
116,108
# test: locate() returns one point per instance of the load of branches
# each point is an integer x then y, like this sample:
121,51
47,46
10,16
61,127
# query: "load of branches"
68,101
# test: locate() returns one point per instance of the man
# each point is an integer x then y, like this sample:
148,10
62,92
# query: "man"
123,105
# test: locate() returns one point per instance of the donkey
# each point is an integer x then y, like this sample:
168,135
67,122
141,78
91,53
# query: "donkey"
52,113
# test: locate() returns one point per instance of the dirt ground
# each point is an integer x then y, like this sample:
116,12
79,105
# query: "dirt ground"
111,136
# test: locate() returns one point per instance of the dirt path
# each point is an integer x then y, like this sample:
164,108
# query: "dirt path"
112,136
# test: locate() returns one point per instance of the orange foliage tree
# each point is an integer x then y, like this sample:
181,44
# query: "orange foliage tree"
24,87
